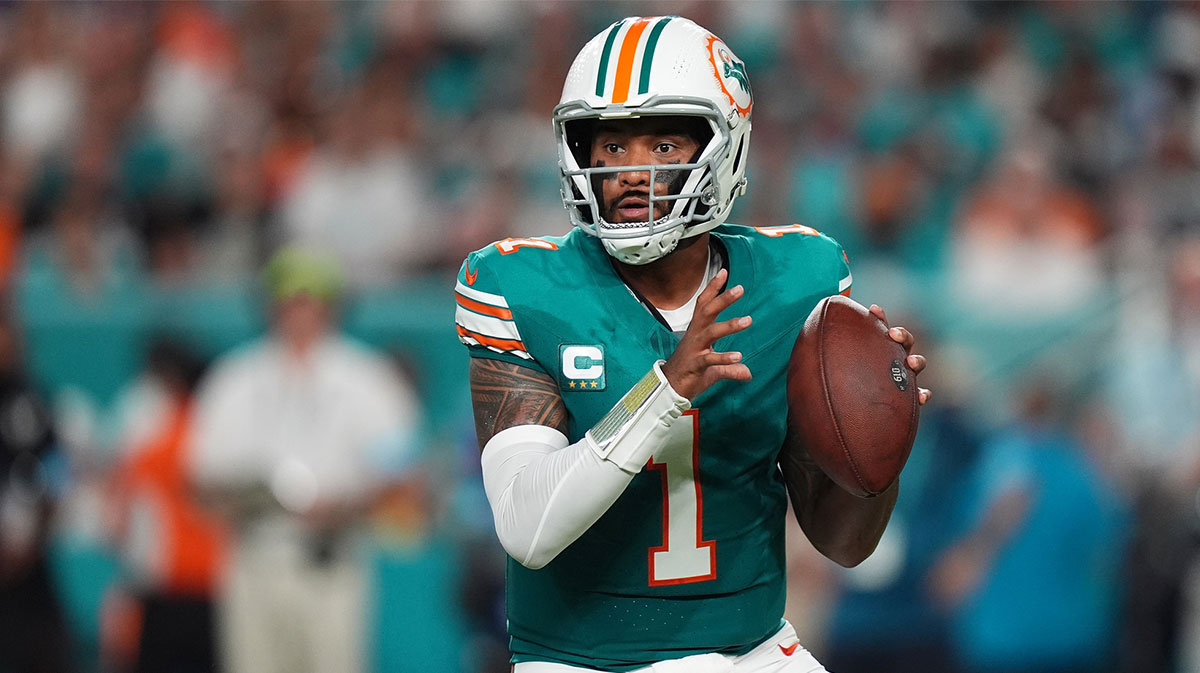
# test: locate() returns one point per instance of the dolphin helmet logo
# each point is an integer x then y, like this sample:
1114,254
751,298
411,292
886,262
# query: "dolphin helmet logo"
732,69
731,76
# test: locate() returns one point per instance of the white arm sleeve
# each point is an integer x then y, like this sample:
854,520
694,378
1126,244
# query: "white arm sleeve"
545,492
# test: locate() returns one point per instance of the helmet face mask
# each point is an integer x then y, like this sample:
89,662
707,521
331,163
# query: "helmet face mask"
691,193
692,85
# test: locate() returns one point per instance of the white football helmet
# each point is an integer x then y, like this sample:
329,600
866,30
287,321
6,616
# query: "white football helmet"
663,65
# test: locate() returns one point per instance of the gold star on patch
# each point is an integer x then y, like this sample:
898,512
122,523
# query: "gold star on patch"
572,384
593,384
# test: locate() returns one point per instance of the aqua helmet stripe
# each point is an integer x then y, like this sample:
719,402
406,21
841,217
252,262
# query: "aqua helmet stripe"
608,45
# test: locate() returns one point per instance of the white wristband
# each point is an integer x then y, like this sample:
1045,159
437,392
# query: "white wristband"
637,425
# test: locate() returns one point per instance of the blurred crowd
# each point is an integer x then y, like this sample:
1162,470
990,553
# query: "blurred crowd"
1019,183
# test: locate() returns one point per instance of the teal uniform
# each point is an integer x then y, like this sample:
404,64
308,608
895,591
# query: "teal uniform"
690,559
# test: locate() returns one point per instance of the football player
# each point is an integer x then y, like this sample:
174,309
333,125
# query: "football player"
628,379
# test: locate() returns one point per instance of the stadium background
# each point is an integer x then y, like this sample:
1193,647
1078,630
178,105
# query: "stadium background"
1015,182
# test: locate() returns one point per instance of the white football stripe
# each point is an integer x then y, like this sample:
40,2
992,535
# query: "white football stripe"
472,342
483,297
487,325
845,282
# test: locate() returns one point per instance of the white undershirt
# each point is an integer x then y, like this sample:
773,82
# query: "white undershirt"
680,318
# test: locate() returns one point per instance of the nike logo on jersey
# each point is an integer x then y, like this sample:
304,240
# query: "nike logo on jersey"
787,651
470,275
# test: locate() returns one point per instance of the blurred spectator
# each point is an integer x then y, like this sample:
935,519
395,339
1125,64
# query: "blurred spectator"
33,635
171,550
1156,391
1163,190
1154,398
502,168
88,247
1178,32
232,242
1034,582
190,75
12,185
290,440
362,195
42,99
81,293
81,299
1026,246
884,618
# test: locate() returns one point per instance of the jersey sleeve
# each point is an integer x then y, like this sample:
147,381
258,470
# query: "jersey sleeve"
822,255
846,279
483,317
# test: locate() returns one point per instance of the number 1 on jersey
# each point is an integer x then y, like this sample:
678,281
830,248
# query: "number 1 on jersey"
684,556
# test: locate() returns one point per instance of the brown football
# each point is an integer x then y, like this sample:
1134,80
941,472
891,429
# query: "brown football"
852,400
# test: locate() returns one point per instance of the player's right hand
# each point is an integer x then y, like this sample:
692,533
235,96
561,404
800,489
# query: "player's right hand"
694,366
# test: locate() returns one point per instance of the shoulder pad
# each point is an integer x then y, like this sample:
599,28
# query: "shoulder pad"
822,252
483,316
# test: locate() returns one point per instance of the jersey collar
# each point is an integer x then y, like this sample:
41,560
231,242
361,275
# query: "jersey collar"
636,312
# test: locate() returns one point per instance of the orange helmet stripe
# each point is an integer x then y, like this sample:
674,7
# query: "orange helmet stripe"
625,62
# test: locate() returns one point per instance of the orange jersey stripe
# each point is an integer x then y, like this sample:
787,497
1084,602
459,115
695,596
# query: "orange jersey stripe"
502,344
625,62
494,311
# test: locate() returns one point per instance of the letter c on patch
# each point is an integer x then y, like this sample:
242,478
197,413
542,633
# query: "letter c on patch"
582,362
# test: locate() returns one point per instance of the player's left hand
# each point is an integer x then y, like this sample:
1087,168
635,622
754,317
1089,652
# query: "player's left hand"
916,362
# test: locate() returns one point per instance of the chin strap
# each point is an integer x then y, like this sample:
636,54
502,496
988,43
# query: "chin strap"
656,247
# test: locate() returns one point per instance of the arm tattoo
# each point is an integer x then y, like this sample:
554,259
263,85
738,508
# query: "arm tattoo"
506,395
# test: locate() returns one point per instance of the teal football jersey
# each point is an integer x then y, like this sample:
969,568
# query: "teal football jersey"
690,559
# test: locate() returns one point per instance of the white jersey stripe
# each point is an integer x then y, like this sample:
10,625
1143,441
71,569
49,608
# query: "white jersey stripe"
482,297
487,325
844,284
472,342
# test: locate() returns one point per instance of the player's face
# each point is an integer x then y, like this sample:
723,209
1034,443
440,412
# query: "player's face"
625,197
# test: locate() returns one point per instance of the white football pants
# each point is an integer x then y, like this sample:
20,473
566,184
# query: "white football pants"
781,653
